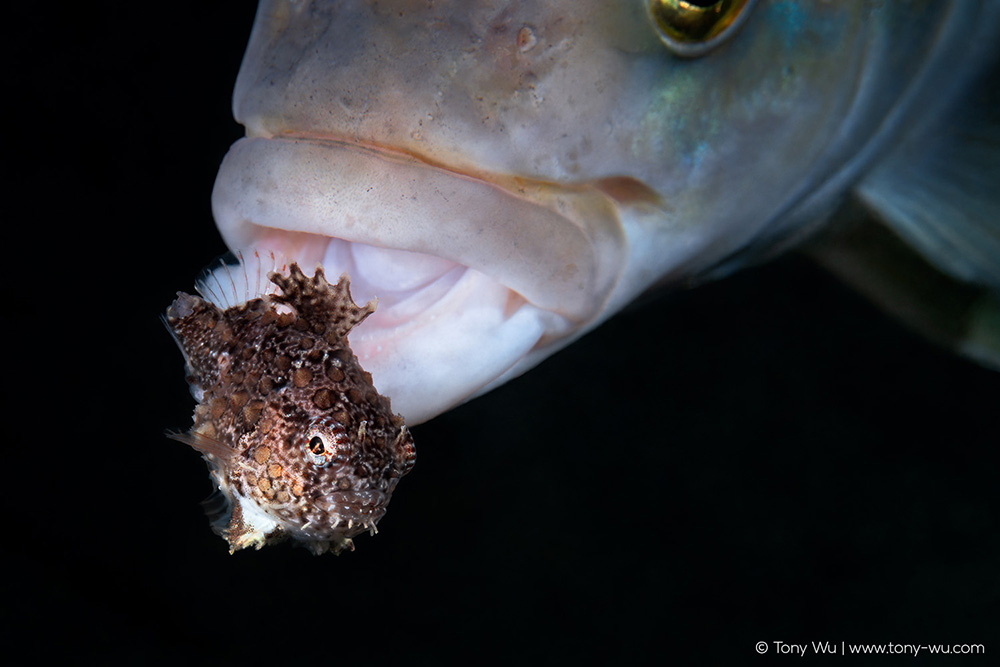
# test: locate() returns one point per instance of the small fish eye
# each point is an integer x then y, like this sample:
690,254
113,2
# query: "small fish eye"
326,441
691,28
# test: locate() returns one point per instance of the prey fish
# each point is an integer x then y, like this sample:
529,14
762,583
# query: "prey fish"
299,442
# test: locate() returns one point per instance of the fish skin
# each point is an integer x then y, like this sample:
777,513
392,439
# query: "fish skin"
273,374
661,170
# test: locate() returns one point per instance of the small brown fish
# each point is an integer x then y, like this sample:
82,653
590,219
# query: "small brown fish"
298,440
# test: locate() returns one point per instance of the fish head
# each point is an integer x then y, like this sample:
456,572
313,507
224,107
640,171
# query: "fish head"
299,442
505,175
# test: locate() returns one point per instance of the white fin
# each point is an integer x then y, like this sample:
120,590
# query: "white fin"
236,278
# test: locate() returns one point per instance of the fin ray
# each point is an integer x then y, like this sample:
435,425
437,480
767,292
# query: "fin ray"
940,189
204,444
240,276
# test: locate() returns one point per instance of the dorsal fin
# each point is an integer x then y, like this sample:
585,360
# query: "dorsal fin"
318,302
239,276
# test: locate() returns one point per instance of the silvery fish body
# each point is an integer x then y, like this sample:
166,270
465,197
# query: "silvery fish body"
503,176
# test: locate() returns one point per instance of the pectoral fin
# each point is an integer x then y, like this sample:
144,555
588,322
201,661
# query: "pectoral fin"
940,192
922,239
873,259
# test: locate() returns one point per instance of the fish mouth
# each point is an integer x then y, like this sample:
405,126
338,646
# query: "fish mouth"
349,513
472,271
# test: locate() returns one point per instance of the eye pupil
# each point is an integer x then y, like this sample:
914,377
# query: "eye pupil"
326,443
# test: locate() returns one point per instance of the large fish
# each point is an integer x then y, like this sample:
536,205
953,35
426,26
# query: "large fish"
504,176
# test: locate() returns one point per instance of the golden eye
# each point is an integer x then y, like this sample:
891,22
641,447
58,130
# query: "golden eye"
693,27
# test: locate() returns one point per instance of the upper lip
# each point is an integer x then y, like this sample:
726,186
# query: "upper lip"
528,262
558,246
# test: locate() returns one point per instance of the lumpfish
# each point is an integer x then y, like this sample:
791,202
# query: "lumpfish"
299,442
504,176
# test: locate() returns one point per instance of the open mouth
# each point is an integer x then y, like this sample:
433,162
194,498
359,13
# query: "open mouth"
471,273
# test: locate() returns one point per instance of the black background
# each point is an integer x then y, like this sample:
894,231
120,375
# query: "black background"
766,458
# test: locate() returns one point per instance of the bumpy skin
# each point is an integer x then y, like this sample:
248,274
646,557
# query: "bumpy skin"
295,434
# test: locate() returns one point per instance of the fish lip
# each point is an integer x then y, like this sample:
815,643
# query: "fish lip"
560,247
346,514
537,262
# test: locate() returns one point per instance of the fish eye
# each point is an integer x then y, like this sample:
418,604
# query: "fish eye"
691,28
326,441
